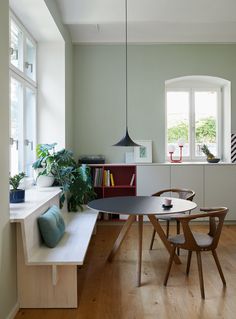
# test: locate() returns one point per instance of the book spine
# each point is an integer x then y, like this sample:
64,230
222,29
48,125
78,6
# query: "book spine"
112,180
99,177
108,177
132,180
105,178
95,177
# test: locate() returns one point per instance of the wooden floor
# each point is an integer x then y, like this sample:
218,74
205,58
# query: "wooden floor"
107,290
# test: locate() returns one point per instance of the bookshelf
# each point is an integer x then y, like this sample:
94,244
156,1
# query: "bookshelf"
111,180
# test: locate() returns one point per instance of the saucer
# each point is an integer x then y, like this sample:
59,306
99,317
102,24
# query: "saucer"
167,206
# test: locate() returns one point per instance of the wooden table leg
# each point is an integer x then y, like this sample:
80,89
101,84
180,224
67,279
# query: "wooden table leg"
162,236
121,236
140,242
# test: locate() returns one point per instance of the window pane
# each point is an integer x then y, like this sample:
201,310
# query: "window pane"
178,120
205,121
16,46
30,59
16,127
30,130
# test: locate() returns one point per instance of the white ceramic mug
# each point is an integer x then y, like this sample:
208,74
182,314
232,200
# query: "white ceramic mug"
167,201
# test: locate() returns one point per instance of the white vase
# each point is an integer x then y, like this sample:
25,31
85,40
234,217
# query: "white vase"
43,180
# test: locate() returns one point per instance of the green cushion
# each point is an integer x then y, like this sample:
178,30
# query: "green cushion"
51,226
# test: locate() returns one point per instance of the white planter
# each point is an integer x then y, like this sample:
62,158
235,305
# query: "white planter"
43,180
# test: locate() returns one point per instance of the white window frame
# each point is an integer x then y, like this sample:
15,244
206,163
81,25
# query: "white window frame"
191,89
26,82
26,35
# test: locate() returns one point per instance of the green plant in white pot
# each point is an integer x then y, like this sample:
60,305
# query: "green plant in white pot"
42,166
17,195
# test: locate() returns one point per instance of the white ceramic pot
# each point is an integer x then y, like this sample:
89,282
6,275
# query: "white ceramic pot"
44,180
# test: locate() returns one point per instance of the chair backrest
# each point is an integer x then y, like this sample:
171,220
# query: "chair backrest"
181,193
214,229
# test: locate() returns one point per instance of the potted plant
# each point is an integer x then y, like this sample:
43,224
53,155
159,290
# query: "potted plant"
16,195
75,181
44,153
210,157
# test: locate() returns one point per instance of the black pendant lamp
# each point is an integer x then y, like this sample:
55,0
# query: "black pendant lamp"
126,140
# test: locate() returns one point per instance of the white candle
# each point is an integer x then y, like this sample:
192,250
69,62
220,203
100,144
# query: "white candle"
171,148
181,142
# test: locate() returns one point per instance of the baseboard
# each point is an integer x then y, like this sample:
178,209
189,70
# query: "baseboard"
14,311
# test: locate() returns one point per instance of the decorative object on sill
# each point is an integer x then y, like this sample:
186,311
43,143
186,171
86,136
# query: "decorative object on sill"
16,195
143,153
171,150
233,148
126,140
74,180
210,157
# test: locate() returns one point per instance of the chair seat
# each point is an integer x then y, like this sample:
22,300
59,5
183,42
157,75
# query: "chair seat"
202,240
170,216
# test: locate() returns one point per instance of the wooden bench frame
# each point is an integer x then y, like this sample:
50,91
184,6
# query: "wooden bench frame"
47,277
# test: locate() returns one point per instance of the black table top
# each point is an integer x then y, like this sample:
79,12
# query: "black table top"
140,205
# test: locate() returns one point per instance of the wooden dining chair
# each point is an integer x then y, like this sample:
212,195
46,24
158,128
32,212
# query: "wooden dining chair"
187,194
198,242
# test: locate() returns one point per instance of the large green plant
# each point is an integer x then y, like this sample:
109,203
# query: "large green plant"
74,180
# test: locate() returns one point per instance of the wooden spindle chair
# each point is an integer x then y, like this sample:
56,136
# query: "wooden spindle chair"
187,194
198,242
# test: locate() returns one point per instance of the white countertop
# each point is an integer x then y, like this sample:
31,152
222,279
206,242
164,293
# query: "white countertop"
163,163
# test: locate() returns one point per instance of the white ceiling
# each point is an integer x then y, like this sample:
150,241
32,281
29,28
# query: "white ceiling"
150,21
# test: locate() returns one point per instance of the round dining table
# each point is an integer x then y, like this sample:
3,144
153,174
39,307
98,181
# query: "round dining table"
136,207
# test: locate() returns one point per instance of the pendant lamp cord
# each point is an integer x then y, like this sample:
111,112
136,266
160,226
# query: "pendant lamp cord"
126,66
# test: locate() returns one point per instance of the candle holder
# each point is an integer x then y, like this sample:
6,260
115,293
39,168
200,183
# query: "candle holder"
172,150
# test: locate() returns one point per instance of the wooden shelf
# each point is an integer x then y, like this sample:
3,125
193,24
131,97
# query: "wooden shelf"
122,175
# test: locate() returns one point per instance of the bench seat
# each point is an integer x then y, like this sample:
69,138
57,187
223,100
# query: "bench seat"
47,277
72,248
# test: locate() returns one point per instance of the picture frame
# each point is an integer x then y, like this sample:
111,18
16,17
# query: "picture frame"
143,153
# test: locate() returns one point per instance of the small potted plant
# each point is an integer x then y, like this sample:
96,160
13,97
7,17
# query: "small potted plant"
210,157
16,195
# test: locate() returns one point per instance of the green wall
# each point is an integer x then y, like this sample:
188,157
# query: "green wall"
100,93
8,292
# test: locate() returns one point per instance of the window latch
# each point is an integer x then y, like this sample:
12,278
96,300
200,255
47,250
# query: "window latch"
31,143
29,65
14,51
13,141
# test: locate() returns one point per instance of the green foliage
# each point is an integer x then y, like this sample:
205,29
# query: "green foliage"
15,180
43,153
177,132
75,181
205,131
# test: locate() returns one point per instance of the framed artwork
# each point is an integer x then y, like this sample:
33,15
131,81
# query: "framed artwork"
143,153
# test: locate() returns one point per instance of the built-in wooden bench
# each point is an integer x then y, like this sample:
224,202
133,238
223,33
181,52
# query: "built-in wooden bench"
47,277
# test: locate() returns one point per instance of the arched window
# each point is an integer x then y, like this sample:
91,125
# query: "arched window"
194,113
